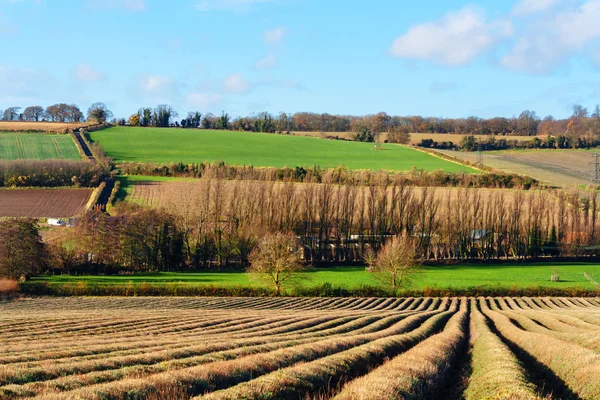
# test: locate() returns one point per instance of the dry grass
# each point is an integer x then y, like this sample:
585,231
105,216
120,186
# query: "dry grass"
281,348
415,138
564,168
54,127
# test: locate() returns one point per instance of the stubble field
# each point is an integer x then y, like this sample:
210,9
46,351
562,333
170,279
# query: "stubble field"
24,126
563,168
300,348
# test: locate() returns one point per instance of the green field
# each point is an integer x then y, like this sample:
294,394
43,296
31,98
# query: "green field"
261,150
446,277
36,146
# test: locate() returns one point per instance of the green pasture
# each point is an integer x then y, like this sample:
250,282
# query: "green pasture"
164,145
441,277
37,146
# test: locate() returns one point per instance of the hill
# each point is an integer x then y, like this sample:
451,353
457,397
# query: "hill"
258,149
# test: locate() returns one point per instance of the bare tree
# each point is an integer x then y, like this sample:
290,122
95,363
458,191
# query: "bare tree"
99,112
11,114
396,262
33,113
276,259
22,252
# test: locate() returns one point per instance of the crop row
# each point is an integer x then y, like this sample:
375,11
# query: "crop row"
281,348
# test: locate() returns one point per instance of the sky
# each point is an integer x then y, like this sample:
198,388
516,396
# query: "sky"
443,58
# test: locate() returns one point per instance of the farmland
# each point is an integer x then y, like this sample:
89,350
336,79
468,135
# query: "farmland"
35,146
282,348
260,150
415,138
562,168
43,203
25,126
166,192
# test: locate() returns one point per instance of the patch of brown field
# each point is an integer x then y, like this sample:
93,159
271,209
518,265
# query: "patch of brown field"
55,127
43,203
168,194
564,168
415,138
8,286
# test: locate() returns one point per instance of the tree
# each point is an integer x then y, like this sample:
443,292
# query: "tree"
11,114
163,114
223,121
396,263
33,113
99,112
22,252
134,120
580,112
596,113
527,123
276,259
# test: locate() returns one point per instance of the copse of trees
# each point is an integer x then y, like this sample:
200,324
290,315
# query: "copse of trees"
162,116
22,252
60,112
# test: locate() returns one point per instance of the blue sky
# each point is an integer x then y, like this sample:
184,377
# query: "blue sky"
447,58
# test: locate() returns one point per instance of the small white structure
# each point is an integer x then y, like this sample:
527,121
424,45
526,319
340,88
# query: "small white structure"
56,222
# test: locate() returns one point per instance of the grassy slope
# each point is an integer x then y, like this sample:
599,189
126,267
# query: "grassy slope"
261,150
35,146
455,277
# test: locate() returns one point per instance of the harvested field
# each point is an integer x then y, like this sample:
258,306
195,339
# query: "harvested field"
564,168
43,203
167,192
25,126
35,146
297,348
415,138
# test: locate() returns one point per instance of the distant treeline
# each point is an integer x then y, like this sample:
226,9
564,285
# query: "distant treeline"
51,173
367,127
471,143
338,175
60,112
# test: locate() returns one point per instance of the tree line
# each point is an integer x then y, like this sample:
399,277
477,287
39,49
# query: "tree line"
471,143
366,128
217,224
60,112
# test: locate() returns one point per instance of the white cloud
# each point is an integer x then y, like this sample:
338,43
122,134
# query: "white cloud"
525,7
549,41
453,40
7,27
274,35
86,73
24,85
129,5
134,5
269,61
228,5
204,100
154,83
236,84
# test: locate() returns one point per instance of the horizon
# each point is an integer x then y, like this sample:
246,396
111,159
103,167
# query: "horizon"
451,59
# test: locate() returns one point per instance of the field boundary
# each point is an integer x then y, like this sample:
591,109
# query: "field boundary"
174,289
95,196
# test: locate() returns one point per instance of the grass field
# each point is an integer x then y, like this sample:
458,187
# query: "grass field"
564,168
260,150
451,277
35,146
290,348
